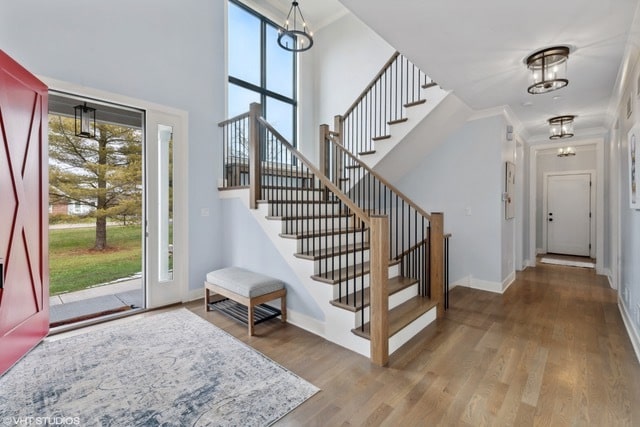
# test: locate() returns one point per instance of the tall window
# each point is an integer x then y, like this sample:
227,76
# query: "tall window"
260,70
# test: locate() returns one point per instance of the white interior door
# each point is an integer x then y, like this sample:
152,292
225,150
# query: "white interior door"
164,197
569,214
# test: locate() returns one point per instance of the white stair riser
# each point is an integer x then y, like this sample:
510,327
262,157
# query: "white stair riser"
360,283
350,286
394,301
340,261
300,225
411,330
306,209
329,241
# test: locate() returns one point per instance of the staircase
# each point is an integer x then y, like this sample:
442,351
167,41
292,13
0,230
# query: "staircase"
371,258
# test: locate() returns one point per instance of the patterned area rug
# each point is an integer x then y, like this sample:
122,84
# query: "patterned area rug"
170,369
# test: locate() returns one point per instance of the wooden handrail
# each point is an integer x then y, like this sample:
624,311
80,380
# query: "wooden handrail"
420,243
373,82
387,183
233,119
359,213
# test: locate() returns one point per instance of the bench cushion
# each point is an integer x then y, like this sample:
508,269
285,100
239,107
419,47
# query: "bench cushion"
244,282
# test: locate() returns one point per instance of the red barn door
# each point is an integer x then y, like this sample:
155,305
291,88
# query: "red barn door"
24,289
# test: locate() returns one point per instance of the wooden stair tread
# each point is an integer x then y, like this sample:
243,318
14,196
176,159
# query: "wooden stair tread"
344,179
380,138
414,103
401,316
305,217
353,302
345,273
428,85
364,153
329,252
353,166
301,202
396,121
320,233
285,188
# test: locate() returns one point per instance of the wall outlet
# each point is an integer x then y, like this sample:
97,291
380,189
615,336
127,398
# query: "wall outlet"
204,212
625,294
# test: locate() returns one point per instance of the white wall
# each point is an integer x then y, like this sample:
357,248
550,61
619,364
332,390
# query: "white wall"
628,220
161,51
548,161
464,178
346,55
249,247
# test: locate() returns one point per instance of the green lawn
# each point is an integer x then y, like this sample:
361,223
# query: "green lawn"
74,265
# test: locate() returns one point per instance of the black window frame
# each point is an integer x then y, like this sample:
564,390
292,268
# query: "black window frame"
262,89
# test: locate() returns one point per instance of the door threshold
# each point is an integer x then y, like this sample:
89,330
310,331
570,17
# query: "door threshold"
94,321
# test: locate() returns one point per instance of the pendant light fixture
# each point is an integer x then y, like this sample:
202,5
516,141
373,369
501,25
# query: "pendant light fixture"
294,35
85,121
548,68
561,127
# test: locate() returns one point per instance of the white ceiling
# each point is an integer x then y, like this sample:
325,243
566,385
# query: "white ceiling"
477,48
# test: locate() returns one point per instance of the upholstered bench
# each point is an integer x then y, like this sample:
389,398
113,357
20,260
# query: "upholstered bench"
247,288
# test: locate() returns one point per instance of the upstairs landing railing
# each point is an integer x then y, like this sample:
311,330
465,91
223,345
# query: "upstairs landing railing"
397,86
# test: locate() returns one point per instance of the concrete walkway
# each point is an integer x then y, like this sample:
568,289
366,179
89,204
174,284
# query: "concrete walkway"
98,291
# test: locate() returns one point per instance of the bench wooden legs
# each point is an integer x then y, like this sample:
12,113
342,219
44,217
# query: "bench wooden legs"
247,302
283,308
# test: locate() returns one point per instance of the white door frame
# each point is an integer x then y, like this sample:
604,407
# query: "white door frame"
593,193
533,171
615,200
180,184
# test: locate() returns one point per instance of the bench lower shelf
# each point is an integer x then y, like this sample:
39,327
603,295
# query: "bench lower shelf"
261,312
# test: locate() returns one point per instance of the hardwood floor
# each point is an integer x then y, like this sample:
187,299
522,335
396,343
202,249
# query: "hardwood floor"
551,351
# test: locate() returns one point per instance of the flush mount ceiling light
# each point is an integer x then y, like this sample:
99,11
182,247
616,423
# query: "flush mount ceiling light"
561,127
566,152
548,68
294,35
85,121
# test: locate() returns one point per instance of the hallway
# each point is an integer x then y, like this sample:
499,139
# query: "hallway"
552,350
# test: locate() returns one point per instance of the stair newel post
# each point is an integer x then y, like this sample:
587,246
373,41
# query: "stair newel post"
255,180
436,267
379,276
325,155
324,151
338,128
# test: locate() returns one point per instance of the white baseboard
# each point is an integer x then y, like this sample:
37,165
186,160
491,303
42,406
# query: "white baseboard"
465,282
485,285
607,272
540,251
631,329
305,322
194,294
508,281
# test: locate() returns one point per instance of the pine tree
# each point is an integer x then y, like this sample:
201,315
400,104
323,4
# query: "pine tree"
104,173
